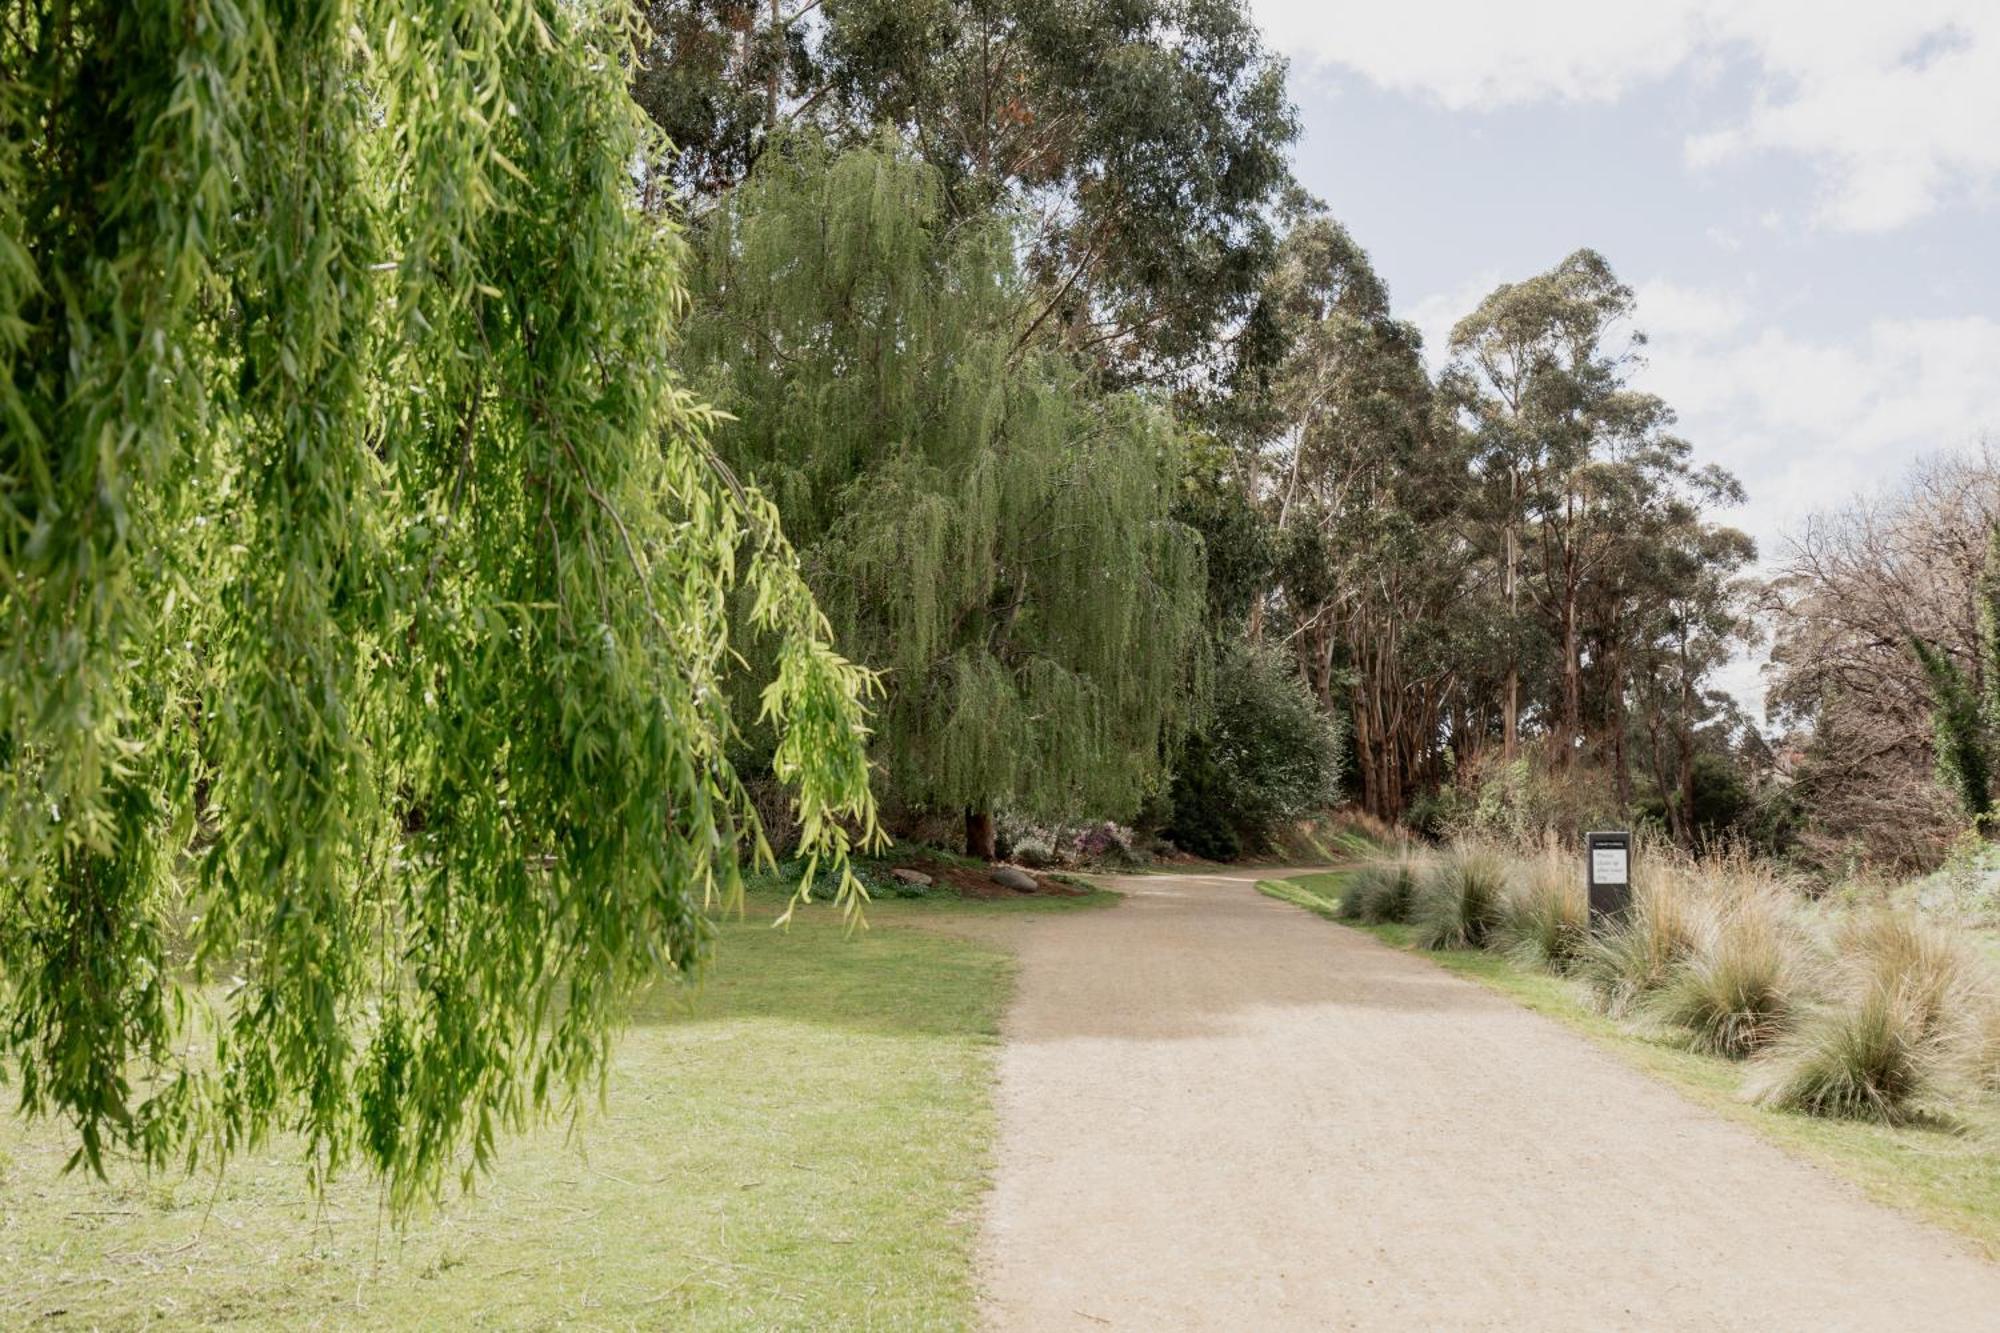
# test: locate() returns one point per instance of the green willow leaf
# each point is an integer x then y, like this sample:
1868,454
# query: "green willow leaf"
366,580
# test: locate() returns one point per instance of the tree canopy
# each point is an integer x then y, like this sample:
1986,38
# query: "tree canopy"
364,578
1146,139
980,522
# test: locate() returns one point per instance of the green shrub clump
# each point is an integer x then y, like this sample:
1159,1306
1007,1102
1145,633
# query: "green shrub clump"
1267,754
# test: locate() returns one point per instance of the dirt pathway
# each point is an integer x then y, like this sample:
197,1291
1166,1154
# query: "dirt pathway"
1218,1113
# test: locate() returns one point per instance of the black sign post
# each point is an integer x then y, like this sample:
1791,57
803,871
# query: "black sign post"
1608,863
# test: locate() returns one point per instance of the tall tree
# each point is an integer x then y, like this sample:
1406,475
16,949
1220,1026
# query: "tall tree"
978,520
1145,140
1538,389
1364,489
362,579
1965,706
1688,621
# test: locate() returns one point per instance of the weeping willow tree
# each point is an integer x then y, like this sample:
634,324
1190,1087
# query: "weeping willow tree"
976,519
365,579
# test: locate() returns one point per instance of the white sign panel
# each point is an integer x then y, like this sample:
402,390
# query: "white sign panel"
1608,865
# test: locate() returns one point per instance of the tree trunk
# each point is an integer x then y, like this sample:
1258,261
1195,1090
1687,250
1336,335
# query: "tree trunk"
1572,726
1510,720
979,834
1684,747
1621,767
1621,763
1656,758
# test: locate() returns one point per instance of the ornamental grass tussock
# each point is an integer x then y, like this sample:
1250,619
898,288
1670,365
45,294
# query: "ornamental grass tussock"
1882,1016
1866,1060
1900,1025
1667,925
1460,900
1545,917
1742,987
1983,1049
1383,891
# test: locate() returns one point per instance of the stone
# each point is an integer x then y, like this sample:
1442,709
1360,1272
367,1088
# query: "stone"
908,876
1014,877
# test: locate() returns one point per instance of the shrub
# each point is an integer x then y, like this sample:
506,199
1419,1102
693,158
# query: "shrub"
1035,850
1458,904
1381,891
1545,918
1867,1059
1266,755
1522,802
1667,925
1105,842
1740,990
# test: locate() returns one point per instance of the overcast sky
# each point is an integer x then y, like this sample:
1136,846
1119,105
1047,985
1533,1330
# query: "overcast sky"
1802,192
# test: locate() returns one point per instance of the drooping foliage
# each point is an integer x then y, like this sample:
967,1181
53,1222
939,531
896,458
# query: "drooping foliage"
978,521
365,579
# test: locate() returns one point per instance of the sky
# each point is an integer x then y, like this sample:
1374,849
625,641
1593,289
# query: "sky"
1802,193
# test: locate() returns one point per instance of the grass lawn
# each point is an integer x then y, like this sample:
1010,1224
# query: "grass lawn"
1950,1175
799,1145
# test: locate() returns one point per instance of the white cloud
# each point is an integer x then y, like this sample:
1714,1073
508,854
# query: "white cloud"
1469,54
1808,423
1680,313
1896,104
1435,314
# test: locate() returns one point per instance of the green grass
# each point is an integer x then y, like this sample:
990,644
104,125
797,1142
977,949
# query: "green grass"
799,1145
1947,1173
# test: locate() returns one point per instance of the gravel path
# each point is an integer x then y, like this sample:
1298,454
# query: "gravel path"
1217,1112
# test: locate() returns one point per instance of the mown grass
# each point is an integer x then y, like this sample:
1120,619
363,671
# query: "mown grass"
798,1145
1948,1172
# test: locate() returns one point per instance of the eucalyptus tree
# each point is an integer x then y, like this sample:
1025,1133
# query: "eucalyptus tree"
1537,389
364,576
1640,535
979,521
1147,139
1692,624
1365,491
